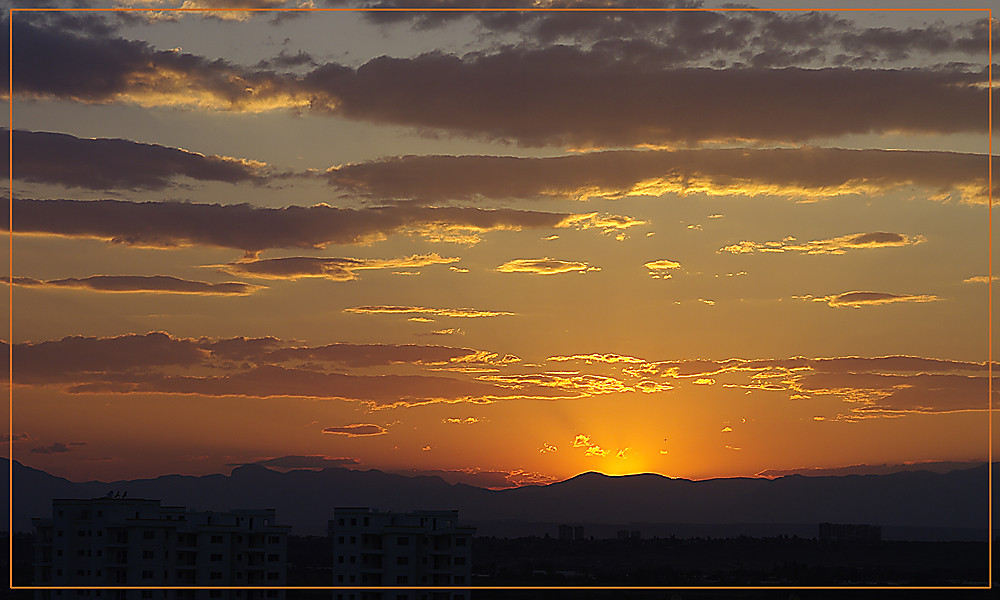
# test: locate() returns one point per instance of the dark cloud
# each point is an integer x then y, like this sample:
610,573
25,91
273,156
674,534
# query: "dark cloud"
556,95
158,363
757,38
483,478
803,172
878,394
77,358
249,228
102,164
56,448
270,381
17,437
468,313
301,462
367,355
142,283
357,430
568,97
866,469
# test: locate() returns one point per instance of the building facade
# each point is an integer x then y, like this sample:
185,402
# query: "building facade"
403,550
118,542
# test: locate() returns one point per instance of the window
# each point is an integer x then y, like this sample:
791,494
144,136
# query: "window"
366,521
403,541
340,522
147,594
340,559
459,560
340,539
353,559
60,513
215,575
460,541
59,533
354,522
273,539
340,579
459,579
98,552
271,576
100,513
148,534
272,558
216,539
272,593
402,580
147,574
215,594
215,557
147,554
402,560
354,540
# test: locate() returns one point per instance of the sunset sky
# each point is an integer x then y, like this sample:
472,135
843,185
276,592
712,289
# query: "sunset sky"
501,247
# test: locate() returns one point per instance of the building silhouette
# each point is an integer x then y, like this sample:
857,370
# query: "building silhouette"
849,532
416,549
124,542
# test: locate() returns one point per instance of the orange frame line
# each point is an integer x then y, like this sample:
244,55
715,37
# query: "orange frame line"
10,288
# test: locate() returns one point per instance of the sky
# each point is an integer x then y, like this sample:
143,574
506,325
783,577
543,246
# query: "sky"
501,247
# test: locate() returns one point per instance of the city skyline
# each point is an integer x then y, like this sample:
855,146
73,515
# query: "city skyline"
501,247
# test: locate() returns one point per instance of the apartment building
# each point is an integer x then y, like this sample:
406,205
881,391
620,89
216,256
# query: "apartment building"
402,550
124,542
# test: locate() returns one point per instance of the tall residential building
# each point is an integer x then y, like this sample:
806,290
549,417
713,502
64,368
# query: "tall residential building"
415,549
117,542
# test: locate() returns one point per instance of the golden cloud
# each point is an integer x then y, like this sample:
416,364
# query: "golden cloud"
859,299
545,266
837,245
466,313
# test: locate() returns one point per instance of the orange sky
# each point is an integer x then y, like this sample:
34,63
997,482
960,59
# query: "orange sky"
502,247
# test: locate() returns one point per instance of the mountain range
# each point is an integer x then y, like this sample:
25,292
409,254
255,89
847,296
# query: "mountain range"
305,499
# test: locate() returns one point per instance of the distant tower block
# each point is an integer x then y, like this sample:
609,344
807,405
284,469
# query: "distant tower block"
419,548
114,541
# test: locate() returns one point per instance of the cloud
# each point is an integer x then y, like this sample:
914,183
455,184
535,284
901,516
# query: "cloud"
465,421
661,267
78,358
837,245
546,448
311,461
581,441
979,279
763,38
603,358
142,284
249,228
868,469
805,172
859,299
367,355
103,164
442,312
56,448
357,430
545,266
727,429
611,94
483,478
334,269
704,381
17,437
596,450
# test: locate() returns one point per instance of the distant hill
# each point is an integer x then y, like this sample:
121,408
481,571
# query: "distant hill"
306,499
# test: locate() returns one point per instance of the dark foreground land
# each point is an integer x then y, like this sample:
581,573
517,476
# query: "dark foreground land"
699,562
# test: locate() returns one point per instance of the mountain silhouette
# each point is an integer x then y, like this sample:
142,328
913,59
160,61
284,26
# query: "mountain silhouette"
305,499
